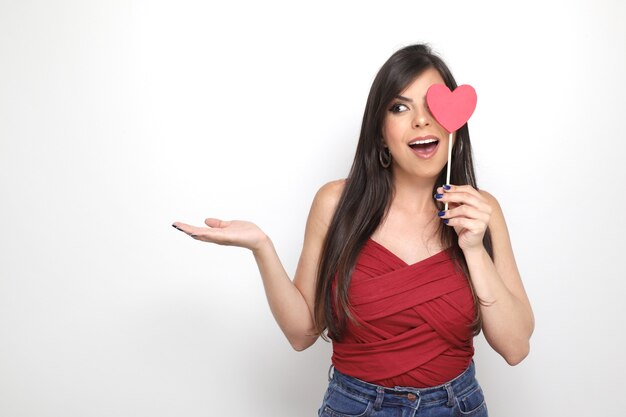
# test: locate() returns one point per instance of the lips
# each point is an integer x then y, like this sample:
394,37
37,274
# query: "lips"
427,148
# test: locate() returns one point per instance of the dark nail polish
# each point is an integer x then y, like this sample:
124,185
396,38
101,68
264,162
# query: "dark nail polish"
445,221
441,213
446,187
174,226
438,195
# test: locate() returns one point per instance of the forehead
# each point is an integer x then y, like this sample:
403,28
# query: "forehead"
421,83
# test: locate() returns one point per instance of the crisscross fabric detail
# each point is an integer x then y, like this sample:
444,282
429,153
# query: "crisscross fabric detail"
414,320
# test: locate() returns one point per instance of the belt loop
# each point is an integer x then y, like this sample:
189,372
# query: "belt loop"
380,394
450,402
329,369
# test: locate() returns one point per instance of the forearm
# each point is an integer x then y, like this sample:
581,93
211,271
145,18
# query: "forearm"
287,304
507,322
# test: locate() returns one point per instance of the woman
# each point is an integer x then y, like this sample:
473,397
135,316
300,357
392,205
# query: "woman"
400,293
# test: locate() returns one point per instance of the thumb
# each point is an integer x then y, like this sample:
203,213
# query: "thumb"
211,222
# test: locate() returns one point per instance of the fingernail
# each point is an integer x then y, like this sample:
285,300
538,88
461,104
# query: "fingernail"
438,195
446,187
445,221
441,213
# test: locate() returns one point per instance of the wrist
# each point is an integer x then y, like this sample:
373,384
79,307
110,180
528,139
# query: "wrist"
261,245
474,252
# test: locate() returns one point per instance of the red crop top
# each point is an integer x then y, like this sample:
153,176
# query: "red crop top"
415,320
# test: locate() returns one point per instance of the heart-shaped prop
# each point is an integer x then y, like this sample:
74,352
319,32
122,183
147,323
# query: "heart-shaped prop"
452,109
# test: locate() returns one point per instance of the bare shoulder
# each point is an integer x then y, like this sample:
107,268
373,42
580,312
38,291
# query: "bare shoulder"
332,190
321,214
497,224
326,200
493,202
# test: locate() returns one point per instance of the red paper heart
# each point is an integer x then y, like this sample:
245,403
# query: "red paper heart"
452,109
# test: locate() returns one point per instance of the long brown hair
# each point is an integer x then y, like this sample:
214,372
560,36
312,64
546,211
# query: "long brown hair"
368,192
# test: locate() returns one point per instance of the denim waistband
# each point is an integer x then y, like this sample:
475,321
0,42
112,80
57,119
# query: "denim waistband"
407,395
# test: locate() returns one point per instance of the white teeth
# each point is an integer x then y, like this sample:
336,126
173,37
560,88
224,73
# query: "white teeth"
423,141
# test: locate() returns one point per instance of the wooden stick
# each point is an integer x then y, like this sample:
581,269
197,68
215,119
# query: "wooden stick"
449,163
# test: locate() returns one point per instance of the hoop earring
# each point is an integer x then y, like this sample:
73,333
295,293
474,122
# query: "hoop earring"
384,157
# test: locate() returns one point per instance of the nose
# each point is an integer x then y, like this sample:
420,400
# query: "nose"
422,118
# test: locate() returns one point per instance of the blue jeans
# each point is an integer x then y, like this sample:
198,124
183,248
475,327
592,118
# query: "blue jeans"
347,396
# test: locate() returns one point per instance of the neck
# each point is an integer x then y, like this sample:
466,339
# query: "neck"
414,194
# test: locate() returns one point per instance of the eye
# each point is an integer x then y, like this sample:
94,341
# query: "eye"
396,108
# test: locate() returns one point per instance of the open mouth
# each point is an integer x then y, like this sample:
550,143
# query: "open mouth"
426,149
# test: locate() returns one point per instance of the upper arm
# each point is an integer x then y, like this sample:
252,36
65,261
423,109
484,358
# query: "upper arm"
320,216
504,260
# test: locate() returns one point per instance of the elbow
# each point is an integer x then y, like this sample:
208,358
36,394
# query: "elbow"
301,344
298,346
515,358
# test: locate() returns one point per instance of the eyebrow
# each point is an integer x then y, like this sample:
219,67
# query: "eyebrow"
404,98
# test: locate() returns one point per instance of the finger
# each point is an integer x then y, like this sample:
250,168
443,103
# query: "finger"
466,188
484,204
462,197
441,204
181,226
467,212
210,234
474,226
211,222
186,228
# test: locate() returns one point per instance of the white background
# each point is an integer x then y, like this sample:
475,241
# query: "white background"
118,118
